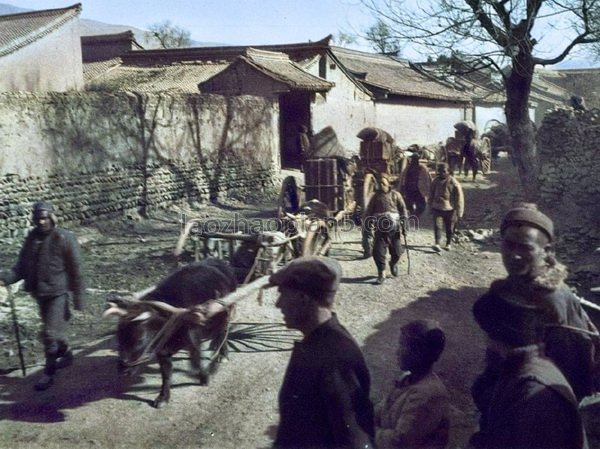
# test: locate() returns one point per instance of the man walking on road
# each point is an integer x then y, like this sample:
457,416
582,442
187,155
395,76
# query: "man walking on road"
49,264
386,214
415,183
324,399
447,204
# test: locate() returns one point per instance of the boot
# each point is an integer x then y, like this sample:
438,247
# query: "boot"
380,277
65,360
44,383
394,269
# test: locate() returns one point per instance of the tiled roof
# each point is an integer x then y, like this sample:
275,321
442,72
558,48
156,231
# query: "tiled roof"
279,67
181,78
226,53
126,36
93,70
19,30
391,76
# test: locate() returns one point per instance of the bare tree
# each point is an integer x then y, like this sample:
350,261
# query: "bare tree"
382,39
169,35
519,33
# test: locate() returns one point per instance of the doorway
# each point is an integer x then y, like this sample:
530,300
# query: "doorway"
294,110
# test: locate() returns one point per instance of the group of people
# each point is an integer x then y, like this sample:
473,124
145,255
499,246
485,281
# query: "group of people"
539,359
388,210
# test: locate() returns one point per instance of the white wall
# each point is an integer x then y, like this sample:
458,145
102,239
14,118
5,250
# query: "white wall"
52,63
348,110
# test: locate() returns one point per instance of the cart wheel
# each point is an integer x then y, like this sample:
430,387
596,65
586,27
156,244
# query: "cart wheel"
289,196
317,241
485,148
369,187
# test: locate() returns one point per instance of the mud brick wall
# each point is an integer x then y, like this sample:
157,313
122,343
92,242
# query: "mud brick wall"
95,154
569,164
85,197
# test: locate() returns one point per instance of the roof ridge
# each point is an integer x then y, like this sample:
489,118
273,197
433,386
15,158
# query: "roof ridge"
66,14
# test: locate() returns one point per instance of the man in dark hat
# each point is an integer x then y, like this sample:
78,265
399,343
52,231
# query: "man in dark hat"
447,204
415,182
416,413
49,263
324,399
536,280
386,214
531,405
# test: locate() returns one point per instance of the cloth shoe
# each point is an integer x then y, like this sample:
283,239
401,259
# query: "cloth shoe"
44,383
380,278
448,247
65,360
394,269
436,248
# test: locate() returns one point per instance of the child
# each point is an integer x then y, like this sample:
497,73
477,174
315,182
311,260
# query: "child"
416,412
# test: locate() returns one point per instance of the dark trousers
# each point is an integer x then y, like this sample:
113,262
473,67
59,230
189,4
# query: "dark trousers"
385,240
470,163
415,202
55,315
445,219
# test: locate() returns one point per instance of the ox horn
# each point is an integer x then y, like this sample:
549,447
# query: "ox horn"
114,309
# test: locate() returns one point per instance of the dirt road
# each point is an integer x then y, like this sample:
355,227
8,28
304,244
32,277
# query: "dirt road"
91,406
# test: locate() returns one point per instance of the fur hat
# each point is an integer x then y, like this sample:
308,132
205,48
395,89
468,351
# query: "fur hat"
319,277
44,206
515,324
529,215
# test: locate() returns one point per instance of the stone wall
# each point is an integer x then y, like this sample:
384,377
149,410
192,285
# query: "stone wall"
97,154
569,163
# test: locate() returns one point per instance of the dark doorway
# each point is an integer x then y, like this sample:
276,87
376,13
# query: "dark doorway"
294,110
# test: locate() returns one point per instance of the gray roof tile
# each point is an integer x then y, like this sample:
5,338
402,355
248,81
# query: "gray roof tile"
19,30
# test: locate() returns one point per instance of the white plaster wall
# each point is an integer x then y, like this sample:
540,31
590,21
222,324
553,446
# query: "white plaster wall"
348,110
483,114
45,134
52,63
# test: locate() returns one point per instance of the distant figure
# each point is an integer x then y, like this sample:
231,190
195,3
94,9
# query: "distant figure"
386,214
446,201
416,413
50,265
531,405
415,183
469,153
324,399
453,156
303,144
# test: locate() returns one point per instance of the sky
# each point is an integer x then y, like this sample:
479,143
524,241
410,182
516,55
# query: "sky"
241,22
234,22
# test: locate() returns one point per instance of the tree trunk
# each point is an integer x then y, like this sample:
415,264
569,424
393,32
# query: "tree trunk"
520,125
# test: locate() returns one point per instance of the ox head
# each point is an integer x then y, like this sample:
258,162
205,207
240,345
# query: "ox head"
146,327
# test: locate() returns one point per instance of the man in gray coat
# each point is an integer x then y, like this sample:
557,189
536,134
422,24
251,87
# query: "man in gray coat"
49,263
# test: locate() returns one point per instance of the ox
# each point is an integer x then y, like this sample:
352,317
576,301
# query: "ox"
172,317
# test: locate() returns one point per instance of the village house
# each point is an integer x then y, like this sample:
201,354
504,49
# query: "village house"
40,51
153,127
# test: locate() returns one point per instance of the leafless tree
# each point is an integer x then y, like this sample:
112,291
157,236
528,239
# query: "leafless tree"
518,34
169,35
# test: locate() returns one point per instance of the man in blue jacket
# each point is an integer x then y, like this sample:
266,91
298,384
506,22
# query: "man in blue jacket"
49,264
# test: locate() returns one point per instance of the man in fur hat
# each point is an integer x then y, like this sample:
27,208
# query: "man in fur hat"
324,399
531,405
49,264
536,281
